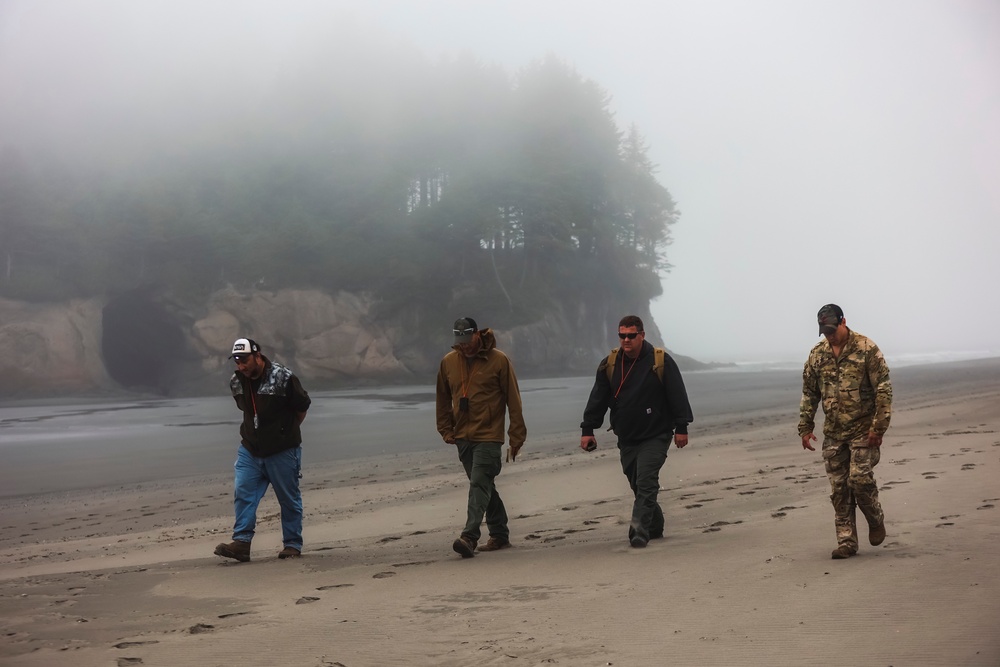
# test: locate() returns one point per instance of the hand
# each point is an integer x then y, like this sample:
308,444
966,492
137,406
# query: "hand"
588,443
874,439
680,439
450,439
514,449
805,442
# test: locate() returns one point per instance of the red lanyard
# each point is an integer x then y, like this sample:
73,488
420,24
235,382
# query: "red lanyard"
625,374
467,382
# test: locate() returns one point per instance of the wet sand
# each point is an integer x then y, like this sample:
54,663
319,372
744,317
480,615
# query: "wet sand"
123,574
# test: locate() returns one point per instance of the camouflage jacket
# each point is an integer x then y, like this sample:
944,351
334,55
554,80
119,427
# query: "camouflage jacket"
854,389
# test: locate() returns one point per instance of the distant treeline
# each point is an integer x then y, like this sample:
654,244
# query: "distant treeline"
419,182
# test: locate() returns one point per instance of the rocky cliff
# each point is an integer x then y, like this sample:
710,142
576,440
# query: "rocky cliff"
147,342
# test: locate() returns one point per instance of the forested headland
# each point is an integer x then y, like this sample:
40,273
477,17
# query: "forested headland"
445,188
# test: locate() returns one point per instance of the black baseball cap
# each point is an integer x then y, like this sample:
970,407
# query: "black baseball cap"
463,329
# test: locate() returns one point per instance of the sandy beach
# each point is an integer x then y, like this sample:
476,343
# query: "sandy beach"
124,574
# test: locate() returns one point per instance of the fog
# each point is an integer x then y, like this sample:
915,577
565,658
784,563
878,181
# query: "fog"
819,152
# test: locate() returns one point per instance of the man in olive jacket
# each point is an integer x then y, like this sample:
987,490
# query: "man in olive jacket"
476,385
274,404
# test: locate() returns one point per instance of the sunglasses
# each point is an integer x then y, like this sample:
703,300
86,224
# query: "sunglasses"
630,336
463,332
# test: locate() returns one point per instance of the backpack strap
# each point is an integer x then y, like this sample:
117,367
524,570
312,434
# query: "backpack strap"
658,361
609,366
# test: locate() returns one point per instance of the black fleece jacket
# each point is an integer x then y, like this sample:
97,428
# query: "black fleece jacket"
641,406
276,397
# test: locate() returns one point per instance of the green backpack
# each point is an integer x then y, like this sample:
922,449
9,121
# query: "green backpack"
658,357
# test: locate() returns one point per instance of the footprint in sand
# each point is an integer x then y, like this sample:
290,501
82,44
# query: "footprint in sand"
946,523
554,538
691,507
125,662
133,644
383,575
717,526
413,562
782,511
329,587
306,600
968,466
199,628
236,613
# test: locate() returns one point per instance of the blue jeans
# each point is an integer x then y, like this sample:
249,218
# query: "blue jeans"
481,461
253,474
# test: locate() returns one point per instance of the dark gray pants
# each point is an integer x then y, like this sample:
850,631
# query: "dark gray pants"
641,463
481,461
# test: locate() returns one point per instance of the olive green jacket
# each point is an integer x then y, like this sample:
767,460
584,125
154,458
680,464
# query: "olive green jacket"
489,382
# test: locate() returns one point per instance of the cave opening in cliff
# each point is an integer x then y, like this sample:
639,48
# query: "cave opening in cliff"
142,343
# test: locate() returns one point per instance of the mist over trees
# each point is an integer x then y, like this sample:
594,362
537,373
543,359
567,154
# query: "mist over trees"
362,166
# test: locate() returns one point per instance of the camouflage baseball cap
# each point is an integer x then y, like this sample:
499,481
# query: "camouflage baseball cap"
829,317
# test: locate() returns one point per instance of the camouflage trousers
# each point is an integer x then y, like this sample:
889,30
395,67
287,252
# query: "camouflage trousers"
849,467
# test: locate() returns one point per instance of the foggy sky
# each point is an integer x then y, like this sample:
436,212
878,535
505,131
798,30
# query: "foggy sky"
842,151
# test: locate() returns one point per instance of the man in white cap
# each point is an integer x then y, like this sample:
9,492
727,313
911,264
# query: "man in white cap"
270,453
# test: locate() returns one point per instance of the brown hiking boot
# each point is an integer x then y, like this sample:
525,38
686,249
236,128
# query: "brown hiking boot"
877,534
235,549
843,551
289,552
464,546
495,544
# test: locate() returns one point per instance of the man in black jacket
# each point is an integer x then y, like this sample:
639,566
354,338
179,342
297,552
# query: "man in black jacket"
273,403
645,414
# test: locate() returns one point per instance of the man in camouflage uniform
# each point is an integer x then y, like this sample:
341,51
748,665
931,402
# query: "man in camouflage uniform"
847,372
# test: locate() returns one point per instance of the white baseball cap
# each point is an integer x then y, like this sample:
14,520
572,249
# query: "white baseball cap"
244,346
